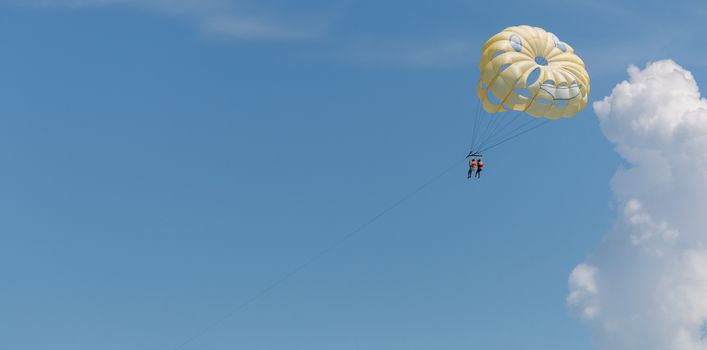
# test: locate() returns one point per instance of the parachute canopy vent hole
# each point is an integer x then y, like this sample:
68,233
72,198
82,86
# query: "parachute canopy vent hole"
532,77
516,43
541,60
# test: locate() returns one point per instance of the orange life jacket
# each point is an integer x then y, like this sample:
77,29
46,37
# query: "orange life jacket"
473,163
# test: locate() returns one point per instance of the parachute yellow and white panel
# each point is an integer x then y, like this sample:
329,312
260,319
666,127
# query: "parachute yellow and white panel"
528,69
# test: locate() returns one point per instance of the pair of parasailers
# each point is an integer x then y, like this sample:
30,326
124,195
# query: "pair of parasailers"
475,165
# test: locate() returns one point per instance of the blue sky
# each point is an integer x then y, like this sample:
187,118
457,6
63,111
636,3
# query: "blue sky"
163,161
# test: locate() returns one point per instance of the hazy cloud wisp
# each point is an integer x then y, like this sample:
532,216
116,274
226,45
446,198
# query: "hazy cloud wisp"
214,17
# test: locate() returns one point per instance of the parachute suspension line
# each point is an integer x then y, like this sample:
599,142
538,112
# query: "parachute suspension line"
492,129
500,127
492,126
485,134
475,126
492,119
497,119
516,135
513,131
484,123
511,122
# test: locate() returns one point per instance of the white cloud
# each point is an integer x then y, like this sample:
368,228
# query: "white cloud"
646,285
583,286
215,17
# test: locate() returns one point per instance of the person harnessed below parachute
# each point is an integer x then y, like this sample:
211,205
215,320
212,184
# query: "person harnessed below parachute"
472,167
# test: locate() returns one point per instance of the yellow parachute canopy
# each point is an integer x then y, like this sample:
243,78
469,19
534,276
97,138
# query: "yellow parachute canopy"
529,69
